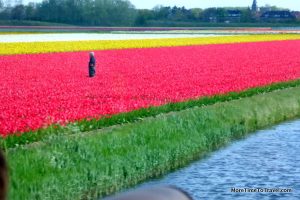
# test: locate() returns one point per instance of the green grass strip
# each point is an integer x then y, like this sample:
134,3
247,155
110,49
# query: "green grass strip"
84,125
88,166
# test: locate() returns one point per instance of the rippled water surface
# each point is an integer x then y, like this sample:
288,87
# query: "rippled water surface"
268,159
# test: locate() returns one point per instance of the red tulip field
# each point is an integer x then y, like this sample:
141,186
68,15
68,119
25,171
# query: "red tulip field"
37,90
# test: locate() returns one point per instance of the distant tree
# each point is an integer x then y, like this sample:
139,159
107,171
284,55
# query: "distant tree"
196,14
73,11
18,12
221,14
179,14
143,15
210,15
122,13
114,13
161,12
51,11
1,4
89,13
85,12
30,11
268,7
5,14
246,15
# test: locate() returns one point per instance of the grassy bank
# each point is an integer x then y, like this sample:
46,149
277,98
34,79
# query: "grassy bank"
137,115
85,166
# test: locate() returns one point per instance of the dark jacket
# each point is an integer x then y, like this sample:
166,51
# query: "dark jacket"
92,67
92,62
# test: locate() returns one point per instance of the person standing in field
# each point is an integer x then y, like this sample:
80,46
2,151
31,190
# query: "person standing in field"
92,65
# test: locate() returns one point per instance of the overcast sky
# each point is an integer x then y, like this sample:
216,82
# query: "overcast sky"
291,4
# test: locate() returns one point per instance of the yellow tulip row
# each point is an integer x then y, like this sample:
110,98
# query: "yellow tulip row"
72,46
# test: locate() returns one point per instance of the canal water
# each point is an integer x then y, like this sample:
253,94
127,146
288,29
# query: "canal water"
265,165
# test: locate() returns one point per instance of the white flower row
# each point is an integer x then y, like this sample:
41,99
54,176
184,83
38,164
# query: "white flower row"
91,36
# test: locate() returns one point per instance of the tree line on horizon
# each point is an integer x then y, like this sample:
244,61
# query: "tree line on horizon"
115,13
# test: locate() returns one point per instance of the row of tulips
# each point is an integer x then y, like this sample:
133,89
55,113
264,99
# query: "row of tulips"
39,90
73,46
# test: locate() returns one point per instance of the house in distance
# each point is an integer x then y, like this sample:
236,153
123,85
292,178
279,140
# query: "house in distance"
233,16
277,16
272,14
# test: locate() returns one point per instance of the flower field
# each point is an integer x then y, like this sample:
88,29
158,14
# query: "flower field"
37,90
51,37
9,48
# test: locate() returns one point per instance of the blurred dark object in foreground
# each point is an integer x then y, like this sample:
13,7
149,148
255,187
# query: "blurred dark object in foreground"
154,193
3,177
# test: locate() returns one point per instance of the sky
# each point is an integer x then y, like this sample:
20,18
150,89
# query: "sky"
291,4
